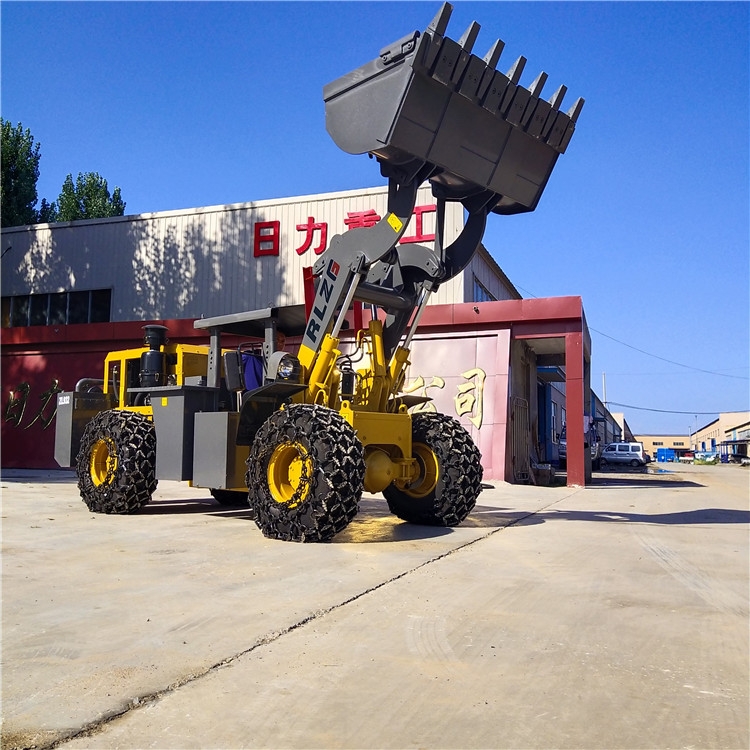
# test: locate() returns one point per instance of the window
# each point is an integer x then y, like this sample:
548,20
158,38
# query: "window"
19,311
57,308
623,449
658,442
481,293
100,304
78,307
38,304
679,442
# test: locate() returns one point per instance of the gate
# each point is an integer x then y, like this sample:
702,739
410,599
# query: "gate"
520,439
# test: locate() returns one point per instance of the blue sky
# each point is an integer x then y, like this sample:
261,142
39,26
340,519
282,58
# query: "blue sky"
645,217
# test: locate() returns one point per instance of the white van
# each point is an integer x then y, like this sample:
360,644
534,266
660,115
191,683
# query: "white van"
624,453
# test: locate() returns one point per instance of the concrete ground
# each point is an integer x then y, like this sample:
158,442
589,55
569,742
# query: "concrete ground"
614,616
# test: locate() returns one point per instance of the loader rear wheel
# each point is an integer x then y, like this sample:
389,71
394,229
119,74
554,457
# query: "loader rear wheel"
450,477
305,474
116,464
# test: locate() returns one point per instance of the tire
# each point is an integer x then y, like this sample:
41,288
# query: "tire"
230,498
603,461
451,474
634,463
116,464
305,474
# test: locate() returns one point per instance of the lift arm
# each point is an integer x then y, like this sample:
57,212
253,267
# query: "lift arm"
428,109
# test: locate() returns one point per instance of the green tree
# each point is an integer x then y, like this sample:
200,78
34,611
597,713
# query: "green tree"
20,172
88,198
47,212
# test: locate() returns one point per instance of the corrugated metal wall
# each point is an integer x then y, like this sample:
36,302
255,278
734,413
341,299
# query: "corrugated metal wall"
484,269
205,261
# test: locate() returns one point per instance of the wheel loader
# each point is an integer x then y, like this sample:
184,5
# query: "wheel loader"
299,437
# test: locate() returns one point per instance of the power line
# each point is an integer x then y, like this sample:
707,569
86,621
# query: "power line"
664,411
670,361
656,356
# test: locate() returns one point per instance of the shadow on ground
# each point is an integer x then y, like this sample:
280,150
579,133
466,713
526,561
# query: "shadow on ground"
484,516
373,523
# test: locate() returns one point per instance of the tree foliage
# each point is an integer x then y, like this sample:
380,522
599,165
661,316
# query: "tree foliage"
20,172
88,198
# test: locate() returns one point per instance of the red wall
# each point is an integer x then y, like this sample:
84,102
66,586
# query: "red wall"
35,360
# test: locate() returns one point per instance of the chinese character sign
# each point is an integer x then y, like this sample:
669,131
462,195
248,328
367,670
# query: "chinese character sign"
313,234
266,238
17,400
312,230
468,400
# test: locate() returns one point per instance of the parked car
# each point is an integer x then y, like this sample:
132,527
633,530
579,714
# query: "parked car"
631,454
595,446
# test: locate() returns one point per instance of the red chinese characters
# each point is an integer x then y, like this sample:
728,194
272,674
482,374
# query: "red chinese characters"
310,229
267,234
421,235
357,219
266,238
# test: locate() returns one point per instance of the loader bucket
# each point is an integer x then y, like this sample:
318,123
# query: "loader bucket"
427,100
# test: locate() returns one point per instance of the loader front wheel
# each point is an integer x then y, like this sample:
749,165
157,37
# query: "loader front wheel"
116,464
450,474
305,474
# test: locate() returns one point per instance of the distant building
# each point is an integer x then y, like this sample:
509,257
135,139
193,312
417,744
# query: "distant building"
680,444
728,435
626,434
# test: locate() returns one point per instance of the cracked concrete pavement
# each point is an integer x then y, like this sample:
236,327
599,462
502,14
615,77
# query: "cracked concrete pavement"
611,616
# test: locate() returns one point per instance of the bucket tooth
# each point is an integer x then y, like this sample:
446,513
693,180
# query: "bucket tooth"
575,110
556,99
514,74
516,97
563,127
573,114
466,44
492,58
538,85
439,24
490,61
467,41
535,114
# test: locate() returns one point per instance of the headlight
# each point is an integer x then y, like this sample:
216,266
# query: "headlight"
283,366
287,367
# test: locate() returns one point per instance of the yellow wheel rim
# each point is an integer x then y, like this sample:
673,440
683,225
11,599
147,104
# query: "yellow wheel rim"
103,463
429,470
290,472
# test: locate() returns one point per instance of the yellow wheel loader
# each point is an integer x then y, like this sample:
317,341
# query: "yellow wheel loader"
300,437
